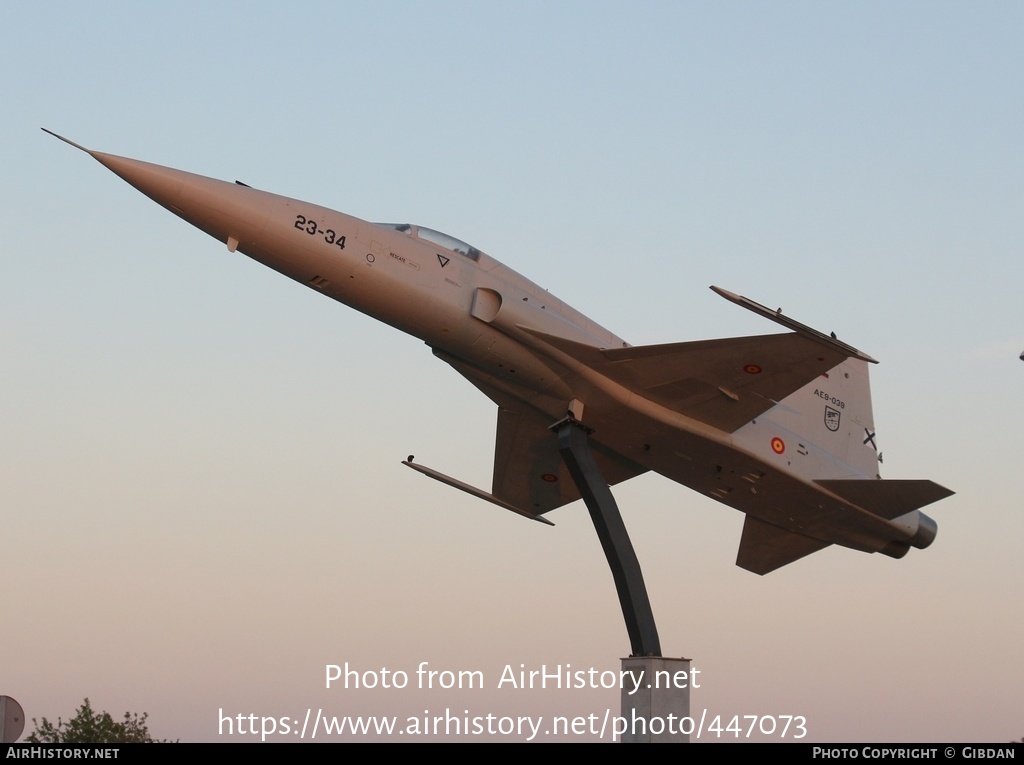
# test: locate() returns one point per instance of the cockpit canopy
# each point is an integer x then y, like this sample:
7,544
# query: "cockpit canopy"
436,237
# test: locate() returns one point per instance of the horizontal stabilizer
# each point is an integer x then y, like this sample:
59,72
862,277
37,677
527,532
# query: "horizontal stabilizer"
887,499
765,547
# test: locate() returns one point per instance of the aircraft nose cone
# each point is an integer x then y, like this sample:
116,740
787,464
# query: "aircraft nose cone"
161,184
226,211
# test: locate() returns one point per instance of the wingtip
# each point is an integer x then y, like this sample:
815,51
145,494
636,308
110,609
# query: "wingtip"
778,317
473,491
66,140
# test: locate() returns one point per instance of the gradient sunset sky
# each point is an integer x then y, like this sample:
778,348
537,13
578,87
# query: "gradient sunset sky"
201,496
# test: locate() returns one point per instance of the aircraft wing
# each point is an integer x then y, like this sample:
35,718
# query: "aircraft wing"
529,472
723,383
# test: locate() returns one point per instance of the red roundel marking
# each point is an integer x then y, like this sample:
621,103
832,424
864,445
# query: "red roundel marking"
752,369
549,478
778,445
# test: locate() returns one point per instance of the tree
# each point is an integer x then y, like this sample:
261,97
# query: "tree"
88,727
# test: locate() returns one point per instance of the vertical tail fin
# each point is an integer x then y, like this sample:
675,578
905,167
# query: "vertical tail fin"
826,429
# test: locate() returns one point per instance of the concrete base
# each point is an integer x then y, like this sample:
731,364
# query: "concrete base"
654,712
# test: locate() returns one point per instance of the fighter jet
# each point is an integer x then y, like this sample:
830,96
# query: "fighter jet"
777,426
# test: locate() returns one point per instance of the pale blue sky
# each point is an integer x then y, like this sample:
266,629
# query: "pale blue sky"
199,477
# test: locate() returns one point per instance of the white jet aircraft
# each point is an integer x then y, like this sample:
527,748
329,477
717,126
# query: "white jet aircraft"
776,426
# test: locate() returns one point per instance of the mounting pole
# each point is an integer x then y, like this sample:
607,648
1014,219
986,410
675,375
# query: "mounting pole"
573,443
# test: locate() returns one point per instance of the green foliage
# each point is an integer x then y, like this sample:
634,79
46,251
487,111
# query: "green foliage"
88,727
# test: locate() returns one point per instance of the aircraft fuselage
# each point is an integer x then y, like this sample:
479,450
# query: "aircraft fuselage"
518,343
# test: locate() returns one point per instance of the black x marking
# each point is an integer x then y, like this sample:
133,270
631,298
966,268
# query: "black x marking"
870,438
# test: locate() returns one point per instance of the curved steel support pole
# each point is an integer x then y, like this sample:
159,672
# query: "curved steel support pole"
604,512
